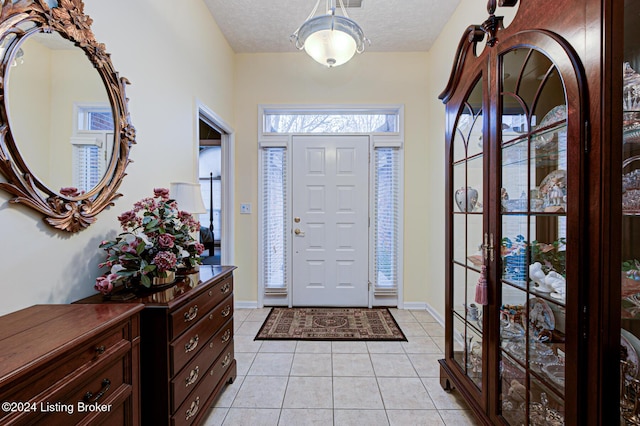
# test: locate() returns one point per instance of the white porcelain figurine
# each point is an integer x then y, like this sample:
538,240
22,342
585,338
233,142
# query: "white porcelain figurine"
538,276
547,283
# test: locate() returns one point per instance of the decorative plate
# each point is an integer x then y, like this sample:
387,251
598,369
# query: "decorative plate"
553,189
555,115
627,346
547,141
541,316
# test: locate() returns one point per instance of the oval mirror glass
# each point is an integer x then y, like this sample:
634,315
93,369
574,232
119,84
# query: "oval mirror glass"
59,113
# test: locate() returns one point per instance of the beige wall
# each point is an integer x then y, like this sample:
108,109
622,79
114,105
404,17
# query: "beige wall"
176,56
295,79
173,57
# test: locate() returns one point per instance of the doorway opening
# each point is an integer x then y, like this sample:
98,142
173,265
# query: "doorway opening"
214,165
210,180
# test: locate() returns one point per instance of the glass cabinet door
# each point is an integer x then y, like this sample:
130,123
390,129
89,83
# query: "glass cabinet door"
630,253
532,227
467,163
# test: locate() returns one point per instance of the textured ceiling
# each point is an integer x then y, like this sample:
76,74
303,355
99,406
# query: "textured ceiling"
253,26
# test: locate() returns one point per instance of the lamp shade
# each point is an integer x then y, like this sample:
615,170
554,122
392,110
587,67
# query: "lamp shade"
188,197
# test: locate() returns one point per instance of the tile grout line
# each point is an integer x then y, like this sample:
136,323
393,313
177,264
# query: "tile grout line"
404,351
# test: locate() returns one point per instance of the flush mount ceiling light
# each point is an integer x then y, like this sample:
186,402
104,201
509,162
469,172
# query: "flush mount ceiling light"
330,39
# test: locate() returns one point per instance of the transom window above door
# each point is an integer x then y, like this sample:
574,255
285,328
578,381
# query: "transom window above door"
283,121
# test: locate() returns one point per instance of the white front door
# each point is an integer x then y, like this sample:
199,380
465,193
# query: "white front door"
330,212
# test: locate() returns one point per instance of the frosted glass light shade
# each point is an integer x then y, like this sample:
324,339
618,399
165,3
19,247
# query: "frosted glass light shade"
330,39
330,47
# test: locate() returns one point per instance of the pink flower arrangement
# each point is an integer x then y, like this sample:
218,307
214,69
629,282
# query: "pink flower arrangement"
156,239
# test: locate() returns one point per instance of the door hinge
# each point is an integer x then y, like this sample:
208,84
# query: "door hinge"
585,324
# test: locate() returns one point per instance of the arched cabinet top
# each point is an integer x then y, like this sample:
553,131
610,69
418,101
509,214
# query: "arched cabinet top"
468,44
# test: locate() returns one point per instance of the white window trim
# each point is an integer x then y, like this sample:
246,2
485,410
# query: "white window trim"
396,140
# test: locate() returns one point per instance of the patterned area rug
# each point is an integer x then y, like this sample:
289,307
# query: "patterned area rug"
330,324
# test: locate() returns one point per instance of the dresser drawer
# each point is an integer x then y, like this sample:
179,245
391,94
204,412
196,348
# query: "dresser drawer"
195,309
190,376
91,395
104,348
98,393
193,406
188,345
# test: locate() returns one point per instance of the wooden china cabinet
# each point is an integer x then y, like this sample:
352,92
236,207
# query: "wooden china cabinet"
543,214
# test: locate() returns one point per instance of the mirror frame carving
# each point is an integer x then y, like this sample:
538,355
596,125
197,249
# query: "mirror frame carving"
66,210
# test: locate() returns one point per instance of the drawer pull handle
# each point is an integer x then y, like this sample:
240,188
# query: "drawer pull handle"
193,377
191,314
193,343
210,293
226,311
225,288
100,349
90,398
226,361
226,336
193,409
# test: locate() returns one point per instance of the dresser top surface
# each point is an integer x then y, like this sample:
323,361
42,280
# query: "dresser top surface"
37,335
172,296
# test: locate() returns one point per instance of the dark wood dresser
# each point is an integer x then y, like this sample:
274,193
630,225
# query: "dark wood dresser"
70,365
186,346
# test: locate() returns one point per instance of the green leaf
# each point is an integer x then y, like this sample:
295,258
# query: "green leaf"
140,248
108,244
145,281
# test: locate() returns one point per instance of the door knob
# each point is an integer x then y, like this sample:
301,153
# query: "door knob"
296,219
297,231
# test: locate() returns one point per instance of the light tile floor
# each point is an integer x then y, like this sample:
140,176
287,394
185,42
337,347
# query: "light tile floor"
300,383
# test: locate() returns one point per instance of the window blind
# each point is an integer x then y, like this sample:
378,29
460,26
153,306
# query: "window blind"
386,221
88,161
274,192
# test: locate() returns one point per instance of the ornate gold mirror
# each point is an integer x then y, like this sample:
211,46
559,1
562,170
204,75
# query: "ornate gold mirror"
65,131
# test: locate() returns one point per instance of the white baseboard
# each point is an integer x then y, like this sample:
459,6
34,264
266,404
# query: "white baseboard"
421,306
245,304
416,306
435,314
